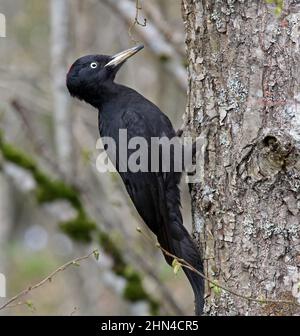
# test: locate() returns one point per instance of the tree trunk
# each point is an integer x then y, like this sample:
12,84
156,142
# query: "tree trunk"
244,80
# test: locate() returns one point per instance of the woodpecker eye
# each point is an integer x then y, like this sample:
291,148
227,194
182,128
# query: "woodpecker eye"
94,65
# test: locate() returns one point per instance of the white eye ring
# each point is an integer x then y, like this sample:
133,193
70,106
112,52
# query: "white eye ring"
94,65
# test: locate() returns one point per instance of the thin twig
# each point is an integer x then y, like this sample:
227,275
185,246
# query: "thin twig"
156,42
185,264
154,14
136,21
49,278
18,304
38,145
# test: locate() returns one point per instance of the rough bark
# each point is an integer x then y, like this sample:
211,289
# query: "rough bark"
244,75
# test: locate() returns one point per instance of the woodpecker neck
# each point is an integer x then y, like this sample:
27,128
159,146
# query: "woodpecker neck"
105,92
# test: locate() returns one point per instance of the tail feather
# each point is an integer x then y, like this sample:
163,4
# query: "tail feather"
176,240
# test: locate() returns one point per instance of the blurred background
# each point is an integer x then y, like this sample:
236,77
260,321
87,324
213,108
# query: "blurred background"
54,205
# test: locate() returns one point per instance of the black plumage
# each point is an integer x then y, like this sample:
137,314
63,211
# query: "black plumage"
156,195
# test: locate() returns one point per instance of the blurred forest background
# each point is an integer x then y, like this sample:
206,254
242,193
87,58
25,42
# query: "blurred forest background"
54,139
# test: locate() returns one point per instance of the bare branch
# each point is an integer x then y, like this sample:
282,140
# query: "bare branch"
8,304
185,264
136,21
108,245
100,209
155,41
155,16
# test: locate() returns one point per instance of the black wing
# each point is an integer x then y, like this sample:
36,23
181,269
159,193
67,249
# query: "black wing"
156,197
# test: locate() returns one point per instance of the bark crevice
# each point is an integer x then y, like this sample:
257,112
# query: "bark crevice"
244,72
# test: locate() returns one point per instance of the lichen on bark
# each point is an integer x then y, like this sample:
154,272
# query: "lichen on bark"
244,70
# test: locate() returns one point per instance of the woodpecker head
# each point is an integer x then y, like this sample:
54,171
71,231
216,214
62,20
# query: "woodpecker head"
89,75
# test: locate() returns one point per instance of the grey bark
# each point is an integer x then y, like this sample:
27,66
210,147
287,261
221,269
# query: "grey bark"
61,99
244,75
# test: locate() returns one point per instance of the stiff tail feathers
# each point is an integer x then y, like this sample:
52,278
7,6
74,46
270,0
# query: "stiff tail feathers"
181,245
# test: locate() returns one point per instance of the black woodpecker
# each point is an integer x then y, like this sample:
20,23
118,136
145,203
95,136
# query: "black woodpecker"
156,195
